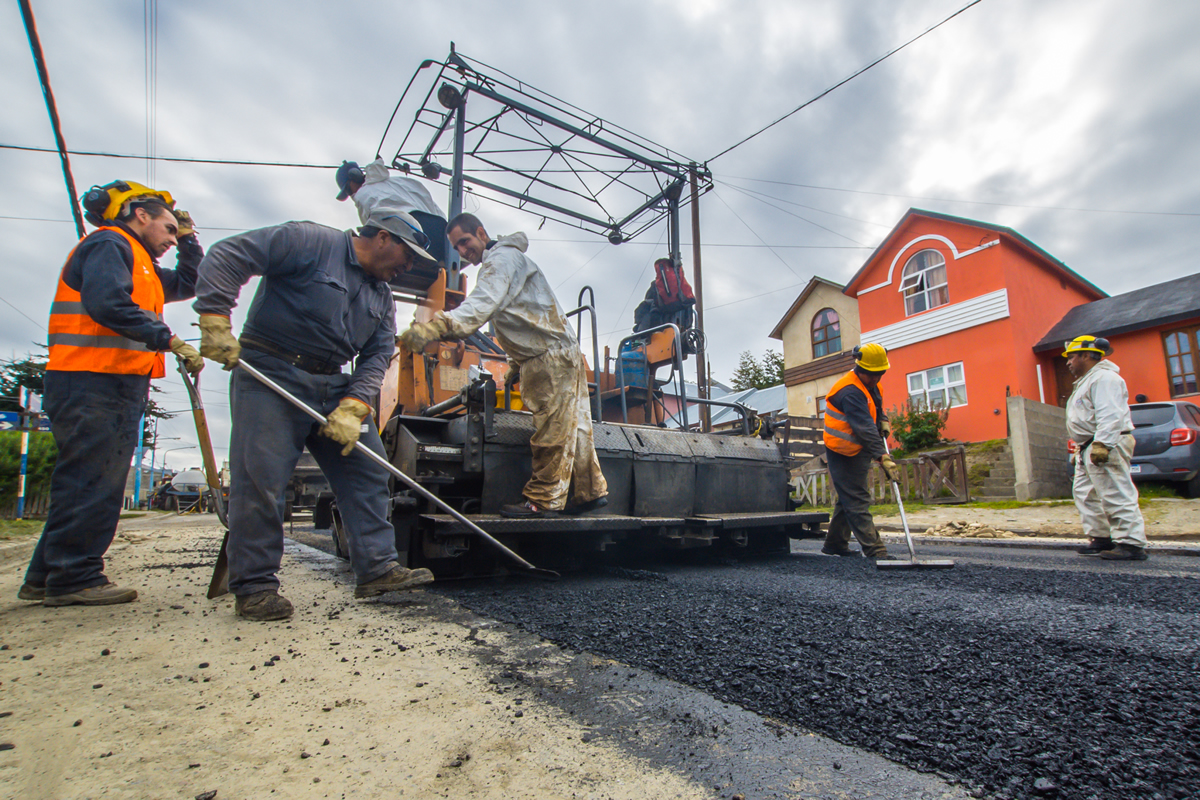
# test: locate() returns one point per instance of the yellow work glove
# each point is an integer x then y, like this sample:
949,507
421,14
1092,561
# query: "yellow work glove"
190,356
183,221
513,375
1099,453
344,423
890,468
885,429
217,341
422,333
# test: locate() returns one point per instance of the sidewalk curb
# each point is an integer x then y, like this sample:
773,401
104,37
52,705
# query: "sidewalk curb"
17,551
896,532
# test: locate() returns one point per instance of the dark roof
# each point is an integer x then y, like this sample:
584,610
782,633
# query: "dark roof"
1161,304
1009,232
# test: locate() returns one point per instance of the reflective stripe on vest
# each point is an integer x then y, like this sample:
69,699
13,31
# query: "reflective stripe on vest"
839,436
79,344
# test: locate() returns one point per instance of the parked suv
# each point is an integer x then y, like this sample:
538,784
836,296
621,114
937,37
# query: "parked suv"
1168,444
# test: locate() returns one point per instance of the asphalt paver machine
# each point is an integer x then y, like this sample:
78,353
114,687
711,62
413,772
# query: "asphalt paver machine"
445,422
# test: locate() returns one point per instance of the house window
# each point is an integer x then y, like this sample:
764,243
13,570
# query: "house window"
940,387
827,333
821,406
1183,354
923,282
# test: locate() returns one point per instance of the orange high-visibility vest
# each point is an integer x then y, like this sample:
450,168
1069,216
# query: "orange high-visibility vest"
80,344
839,436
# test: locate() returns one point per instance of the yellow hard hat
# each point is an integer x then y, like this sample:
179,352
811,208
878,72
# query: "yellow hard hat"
872,357
1087,344
103,203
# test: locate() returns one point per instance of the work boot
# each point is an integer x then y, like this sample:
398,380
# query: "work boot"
526,510
30,592
1095,547
394,580
105,595
590,505
263,606
830,550
1125,552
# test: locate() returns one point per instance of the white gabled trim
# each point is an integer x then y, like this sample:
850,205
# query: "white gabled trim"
941,321
927,237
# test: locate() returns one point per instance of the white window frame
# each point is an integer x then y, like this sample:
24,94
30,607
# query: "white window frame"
914,285
937,379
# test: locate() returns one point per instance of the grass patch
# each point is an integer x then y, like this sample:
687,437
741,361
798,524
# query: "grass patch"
18,528
134,515
1157,490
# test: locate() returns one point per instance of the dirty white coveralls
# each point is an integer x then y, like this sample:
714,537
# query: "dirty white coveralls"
511,291
1098,409
380,188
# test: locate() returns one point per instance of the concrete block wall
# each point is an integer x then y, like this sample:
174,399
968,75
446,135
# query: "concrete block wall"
1038,437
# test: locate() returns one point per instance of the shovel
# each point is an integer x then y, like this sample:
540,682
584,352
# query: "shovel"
219,585
524,565
912,563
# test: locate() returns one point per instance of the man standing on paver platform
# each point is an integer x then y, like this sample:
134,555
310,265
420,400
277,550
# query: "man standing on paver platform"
1099,423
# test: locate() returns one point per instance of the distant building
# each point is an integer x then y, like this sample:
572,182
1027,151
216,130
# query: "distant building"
768,403
1155,334
818,332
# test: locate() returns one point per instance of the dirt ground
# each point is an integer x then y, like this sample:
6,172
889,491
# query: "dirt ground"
173,696
1166,519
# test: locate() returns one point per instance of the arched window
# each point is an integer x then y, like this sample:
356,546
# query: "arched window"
923,282
826,333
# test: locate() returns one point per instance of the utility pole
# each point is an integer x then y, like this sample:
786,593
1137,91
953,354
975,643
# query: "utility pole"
698,285
39,61
26,419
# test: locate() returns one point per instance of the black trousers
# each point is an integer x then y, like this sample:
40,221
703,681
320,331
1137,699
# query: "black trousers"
852,511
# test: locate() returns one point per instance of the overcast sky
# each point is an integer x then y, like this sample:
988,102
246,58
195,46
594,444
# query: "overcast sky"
1073,121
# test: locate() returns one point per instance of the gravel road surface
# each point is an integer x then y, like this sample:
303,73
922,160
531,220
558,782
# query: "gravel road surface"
1021,673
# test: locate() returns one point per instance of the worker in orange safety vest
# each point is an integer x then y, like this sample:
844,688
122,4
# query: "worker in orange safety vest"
855,429
107,341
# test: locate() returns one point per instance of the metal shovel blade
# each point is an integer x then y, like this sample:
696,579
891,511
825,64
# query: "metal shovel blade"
925,563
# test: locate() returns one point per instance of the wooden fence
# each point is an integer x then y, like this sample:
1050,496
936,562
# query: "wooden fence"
36,506
939,476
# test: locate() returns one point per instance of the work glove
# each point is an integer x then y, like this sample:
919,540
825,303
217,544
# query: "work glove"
217,341
890,468
422,333
344,423
184,224
885,428
190,356
513,375
1099,453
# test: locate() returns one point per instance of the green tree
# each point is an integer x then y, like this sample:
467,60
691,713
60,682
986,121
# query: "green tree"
754,374
30,372
42,455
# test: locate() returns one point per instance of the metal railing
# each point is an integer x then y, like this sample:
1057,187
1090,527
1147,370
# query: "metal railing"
590,307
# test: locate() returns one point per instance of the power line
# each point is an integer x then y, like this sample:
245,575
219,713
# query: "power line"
753,196
969,202
22,313
237,163
844,81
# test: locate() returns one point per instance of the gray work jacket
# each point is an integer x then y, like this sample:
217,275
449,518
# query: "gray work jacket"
314,298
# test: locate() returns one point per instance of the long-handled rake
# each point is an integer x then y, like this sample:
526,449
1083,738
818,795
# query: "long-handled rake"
913,562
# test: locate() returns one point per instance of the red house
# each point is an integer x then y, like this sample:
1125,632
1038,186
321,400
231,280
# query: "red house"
960,305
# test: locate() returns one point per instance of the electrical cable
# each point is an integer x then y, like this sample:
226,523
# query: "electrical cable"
739,218
970,202
22,313
231,162
794,214
844,81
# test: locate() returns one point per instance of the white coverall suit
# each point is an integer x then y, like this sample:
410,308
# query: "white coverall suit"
513,293
1098,410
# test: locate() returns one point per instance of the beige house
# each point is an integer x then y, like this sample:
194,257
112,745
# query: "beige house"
818,333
